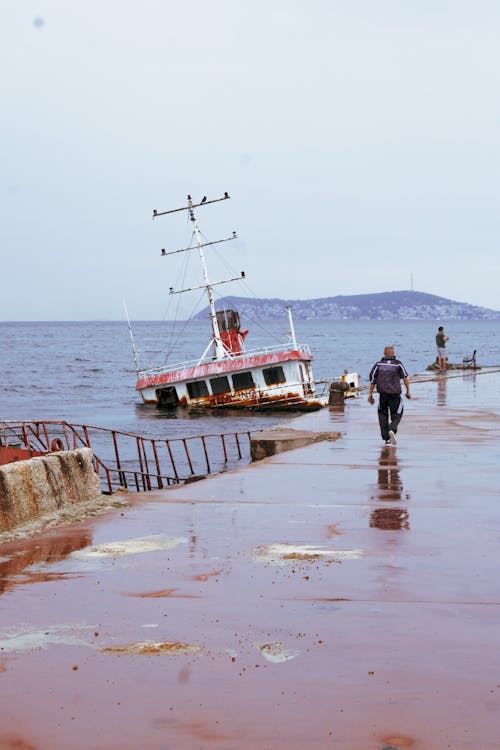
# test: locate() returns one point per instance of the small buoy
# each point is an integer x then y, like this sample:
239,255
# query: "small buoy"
57,445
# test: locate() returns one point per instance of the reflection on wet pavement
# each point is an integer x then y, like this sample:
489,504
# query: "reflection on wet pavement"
441,391
17,556
390,488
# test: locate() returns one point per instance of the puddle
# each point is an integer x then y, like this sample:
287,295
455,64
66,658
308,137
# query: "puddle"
277,653
154,648
280,554
129,547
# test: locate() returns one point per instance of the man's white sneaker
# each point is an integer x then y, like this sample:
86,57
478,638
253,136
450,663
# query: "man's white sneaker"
392,437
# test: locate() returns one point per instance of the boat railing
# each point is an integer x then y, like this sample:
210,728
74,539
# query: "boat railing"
128,461
301,348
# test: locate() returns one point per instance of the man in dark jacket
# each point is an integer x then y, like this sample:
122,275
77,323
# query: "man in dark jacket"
386,375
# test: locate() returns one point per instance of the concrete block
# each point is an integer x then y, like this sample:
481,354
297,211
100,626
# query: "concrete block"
270,442
29,489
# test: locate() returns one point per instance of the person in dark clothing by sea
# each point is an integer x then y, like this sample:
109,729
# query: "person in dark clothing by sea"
441,340
386,375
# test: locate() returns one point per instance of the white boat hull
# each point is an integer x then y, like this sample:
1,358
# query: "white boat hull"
277,380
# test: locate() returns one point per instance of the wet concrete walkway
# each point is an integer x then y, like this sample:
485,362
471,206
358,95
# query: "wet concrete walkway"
342,595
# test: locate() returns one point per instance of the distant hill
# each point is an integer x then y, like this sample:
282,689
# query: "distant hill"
404,305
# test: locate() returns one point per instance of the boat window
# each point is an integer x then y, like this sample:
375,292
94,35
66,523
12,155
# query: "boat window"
220,385
273,375
197,389
167,398
242,381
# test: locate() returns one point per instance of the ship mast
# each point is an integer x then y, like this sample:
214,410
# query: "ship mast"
220,351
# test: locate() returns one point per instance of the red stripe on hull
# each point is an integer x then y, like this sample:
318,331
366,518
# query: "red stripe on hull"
220,367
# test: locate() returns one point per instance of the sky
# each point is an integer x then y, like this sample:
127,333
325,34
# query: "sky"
359,142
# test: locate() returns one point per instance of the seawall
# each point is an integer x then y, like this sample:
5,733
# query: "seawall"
29,489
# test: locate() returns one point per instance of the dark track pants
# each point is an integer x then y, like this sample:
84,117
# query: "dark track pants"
390,411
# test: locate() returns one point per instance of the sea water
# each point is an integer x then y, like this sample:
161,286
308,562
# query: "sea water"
83,372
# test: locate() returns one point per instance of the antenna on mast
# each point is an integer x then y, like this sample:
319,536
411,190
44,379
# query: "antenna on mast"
292,328
134,350
191,205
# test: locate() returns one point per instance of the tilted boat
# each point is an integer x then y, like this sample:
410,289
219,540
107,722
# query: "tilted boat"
226,375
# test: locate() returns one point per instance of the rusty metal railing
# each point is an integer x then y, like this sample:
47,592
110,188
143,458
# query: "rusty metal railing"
122,459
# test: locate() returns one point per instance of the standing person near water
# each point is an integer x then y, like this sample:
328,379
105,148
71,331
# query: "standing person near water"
441,340
386,375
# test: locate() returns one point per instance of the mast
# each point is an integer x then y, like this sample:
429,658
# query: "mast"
220,351
292,328
134,350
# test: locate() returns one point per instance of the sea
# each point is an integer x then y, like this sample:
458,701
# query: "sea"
83,372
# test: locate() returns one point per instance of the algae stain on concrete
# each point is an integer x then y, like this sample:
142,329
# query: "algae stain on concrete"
277,653
154,648
280,554
129,547
27,638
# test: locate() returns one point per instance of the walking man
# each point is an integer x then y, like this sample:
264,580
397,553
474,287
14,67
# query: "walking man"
441,340
386,375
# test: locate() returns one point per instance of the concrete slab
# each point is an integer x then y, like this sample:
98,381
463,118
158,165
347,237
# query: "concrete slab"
342,595
279,440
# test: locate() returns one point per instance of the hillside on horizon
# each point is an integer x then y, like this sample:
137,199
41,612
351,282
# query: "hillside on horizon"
405,305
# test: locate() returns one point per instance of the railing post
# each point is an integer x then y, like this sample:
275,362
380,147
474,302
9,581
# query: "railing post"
86,433
121,474
25,436
66,435
188,456
238,444
223,438
157,462
46,434
174,468
144,476
206,454
108,477
146,464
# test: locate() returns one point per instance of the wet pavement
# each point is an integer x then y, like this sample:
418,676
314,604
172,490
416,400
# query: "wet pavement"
342,595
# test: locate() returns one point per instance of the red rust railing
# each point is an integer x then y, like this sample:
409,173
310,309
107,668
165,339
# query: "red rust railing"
122,459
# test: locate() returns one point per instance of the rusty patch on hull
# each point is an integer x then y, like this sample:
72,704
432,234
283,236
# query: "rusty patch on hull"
251,400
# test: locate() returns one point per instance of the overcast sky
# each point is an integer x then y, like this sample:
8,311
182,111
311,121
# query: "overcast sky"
359,142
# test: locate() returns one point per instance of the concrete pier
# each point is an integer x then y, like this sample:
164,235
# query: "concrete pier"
341,595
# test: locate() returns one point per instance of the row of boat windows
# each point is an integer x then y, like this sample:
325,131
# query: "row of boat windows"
242,381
